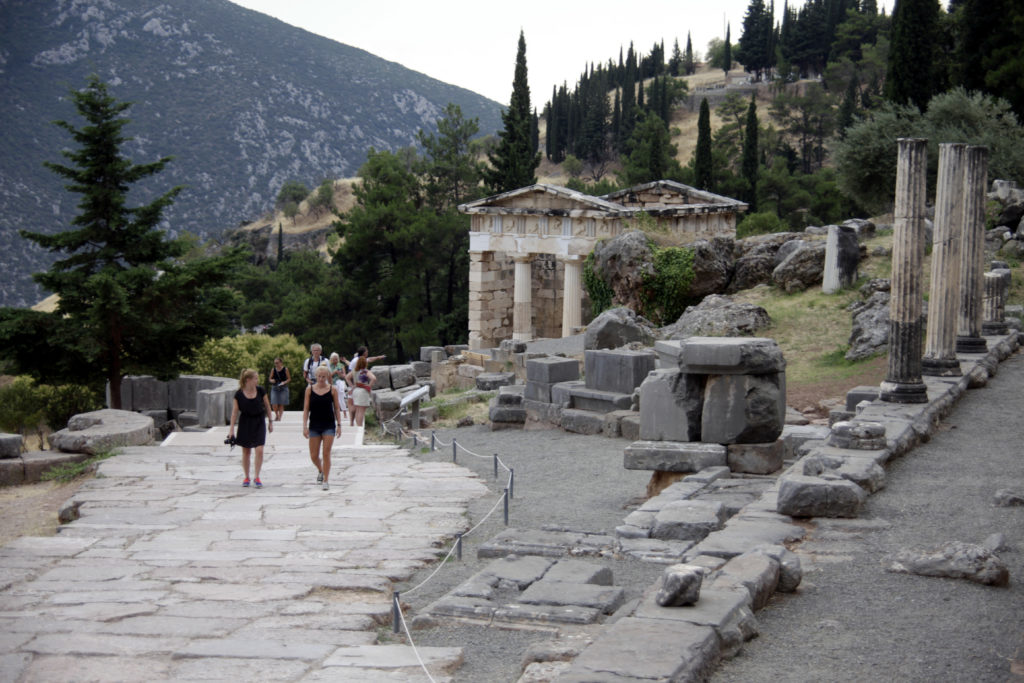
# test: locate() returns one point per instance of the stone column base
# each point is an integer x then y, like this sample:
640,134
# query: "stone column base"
903,392
971,345
940,367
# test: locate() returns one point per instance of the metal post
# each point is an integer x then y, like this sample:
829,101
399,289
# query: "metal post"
506,506
454,446
396,612
433,440
458,545
495,465
415,441
511,482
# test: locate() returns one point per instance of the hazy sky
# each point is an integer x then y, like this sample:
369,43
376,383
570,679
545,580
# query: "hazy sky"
472,44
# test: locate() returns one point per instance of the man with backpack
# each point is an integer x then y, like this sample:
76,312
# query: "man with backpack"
310,365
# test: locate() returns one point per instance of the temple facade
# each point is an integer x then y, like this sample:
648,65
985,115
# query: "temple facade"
527,246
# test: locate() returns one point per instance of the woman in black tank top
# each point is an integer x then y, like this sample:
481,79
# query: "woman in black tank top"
321,419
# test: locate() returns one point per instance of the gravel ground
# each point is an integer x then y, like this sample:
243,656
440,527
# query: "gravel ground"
853,621
561,479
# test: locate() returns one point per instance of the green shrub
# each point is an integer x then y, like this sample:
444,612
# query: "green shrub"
762,223
599,291
64,401
68,471
228,356
664,297
22,406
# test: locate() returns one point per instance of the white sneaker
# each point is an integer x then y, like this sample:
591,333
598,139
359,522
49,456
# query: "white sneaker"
326,486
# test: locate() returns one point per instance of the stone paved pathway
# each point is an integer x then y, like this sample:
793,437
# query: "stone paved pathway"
173,571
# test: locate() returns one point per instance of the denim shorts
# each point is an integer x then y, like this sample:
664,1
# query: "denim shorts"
313,433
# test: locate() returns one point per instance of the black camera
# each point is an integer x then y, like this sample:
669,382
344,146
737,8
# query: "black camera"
231,441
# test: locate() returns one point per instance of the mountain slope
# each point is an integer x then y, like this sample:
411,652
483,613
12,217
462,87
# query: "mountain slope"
241,101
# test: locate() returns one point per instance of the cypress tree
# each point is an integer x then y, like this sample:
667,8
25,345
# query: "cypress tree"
280,242
727,55
909,78
688,65
702,160
515,160
848,106
750,155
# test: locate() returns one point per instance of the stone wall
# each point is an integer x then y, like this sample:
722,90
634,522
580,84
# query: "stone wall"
491,282
209,398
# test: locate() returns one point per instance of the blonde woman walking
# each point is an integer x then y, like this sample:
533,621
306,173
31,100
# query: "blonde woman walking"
321,421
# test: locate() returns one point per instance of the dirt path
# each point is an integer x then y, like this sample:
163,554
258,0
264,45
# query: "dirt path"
31,509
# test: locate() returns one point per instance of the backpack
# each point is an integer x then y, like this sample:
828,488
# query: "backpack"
308,367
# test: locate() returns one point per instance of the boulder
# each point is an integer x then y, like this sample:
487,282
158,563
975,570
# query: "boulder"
1010,217
688,520
718,316
10,445
805,496
801,269
402,376
954,560
680,585
104,430
712,266
624,262
863,228
743,408
870,331
753,268
617,327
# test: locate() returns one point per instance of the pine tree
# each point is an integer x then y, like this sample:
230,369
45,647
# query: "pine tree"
675,63
702,160
514,162
689,66
128,303
910,77
750,155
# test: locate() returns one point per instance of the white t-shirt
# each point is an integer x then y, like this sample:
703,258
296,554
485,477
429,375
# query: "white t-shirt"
309,366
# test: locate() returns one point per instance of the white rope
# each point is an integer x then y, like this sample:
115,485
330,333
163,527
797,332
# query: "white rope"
405,627
439,566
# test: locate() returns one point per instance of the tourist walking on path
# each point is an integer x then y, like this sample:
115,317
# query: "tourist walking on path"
321,418
339,368
361,352
315,360
362,379
250,406
279,393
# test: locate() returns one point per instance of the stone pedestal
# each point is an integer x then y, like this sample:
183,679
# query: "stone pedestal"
944,298
522,299
572,295
903,382
994,304
972,252
842,256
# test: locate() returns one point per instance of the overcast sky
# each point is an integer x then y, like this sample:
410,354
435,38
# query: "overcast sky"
472,44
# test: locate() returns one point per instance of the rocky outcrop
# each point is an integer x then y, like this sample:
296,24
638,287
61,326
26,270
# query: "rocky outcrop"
623,262
802,268
718,316
712,266
617,327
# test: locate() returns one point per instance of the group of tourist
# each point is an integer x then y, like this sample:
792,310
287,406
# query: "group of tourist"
333,386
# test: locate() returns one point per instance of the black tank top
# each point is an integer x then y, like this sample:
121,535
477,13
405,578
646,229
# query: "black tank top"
321,411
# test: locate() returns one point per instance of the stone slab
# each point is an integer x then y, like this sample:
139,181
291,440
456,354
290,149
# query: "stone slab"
545,413
599,401
104,430
545,543
37,463
492,381
740,535
582,421
12,472
755,458
743,408
754,573
520,571
629,426
673,456
731,356
616,371
862,393
552,369
537,391
10,445
579,571
649,649
826,496
687,520
564,594
670,406
546,614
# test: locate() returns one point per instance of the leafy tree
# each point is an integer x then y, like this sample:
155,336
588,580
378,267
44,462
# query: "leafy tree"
755,45
988,50
572,166
323,198
702,155
910,78
653,155
22,406
809,119
514,162
228,356
129,300
715,53
292,192
750,156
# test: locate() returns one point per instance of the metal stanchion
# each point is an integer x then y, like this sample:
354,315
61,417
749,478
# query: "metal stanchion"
458,545
495,465
511,482
433,440
396,613
506,506
415,441
454,446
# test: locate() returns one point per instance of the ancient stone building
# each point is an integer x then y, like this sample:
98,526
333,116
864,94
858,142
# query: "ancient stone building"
527,247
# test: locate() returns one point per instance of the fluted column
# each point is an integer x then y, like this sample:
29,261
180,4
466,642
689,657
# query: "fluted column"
572,295
944,297
993,313
903,380
522,298
972,252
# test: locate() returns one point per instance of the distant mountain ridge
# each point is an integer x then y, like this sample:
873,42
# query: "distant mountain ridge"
241,101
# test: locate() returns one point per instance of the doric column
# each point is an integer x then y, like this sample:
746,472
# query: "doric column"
972,252
522,298
993,322
903,380
572,294
944,298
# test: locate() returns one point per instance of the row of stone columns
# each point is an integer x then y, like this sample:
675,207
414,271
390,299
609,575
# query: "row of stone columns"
522,296
955,297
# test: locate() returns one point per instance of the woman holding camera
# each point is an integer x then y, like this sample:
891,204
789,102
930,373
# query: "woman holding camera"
250,406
